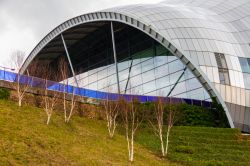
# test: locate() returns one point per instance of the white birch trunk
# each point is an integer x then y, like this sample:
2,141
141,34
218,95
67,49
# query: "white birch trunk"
64,106
132,148
167,141
48,119
129,152
162,144
19,102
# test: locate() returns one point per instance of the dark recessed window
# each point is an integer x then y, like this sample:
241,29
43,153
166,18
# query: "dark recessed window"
224,76
223,70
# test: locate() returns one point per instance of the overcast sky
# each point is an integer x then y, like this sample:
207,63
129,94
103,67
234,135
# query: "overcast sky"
23,23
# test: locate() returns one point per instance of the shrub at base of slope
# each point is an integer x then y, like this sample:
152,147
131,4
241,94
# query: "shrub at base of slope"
199,116
190,115
4,93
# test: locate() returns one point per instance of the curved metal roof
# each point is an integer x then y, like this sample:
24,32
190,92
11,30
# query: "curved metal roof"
191,30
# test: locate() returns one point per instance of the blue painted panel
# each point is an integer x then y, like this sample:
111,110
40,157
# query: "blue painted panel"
51,85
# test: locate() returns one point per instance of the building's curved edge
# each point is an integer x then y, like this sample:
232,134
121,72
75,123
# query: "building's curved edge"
150,31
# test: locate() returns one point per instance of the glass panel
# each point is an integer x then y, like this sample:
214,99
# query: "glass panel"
135,70
123,65
161,71
102,73
135,81
92,77
180,88
149,87
247,80
162,82
147,65
111,70
112,79
148,76
160,60
163,91
136,90
175,66
174,77
223,61
102,83
123,75
93,86
224,76
245,64
196,94
192,84
123,85
223,70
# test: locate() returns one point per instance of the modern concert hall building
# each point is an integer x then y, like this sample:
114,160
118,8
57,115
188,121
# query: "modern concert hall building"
193,50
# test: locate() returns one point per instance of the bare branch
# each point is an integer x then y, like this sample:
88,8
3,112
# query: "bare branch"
159,110
22,83
111,112
132,119
68,106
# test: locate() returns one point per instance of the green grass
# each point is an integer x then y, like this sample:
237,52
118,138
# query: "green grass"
25,139
202,146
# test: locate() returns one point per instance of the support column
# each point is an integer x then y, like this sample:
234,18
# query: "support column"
115,58
130,67
176,83
71,66
131,64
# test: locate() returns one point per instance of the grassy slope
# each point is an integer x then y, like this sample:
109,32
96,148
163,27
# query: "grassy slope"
25,139
203,146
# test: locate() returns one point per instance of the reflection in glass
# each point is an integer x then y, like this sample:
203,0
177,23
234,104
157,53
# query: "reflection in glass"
145,68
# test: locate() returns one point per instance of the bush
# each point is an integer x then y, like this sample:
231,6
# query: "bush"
195,116
4,93
219,114
190,115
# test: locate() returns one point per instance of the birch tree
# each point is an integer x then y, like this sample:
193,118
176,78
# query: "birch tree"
49,97
111,112
22,82
70,102
132,118
170,123
159,129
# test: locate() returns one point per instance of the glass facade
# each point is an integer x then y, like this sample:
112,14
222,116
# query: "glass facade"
145,68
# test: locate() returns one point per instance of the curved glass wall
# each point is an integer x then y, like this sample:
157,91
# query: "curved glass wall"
145,67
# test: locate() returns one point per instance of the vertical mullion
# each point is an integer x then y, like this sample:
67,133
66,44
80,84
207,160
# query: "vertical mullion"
115,57
71,66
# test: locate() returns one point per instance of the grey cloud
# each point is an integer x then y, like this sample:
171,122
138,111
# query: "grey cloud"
38,17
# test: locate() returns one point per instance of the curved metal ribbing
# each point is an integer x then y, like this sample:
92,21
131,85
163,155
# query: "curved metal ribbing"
147,29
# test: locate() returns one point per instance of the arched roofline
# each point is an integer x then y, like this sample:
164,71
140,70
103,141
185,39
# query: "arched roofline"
136,23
